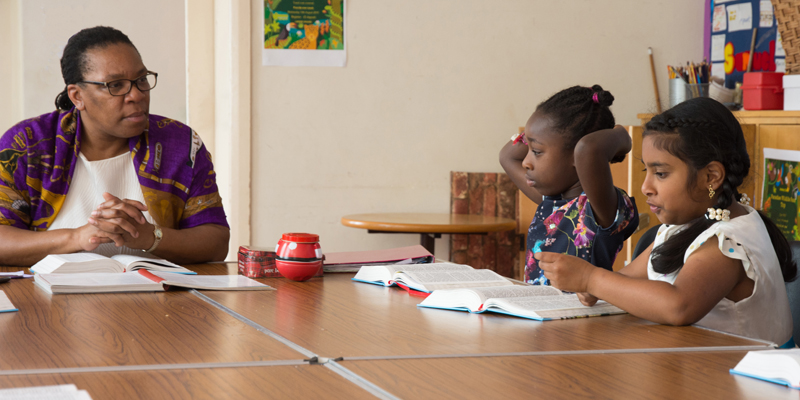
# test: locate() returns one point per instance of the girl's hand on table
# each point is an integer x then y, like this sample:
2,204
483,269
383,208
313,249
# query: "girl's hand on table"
565,272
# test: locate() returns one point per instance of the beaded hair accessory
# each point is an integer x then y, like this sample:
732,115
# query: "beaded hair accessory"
519,138
718,214
744,199
595,99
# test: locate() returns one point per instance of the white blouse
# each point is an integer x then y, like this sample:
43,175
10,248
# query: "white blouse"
91,179
765,314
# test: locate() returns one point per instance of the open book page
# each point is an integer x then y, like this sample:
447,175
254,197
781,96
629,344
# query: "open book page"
778,366
76,262
211,282
427,281
385,273
95,283
5,303
550,307
133,263
473,299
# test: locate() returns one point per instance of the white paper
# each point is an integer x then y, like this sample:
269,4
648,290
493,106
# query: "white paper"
720,23
718,47
766,14
740,17
58,392
723,1
718,69
779,51
18,274
780,65
5,303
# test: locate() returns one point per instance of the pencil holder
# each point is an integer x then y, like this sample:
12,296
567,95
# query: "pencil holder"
680,91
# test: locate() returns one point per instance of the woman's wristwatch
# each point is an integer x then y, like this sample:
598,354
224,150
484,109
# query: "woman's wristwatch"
158,234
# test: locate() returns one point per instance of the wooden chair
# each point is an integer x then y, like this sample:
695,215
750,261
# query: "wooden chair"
491,194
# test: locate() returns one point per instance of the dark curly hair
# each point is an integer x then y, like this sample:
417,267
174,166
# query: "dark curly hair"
74,62
700,131
575,113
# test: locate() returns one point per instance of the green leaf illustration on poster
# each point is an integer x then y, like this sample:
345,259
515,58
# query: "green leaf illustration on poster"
304,24
780,191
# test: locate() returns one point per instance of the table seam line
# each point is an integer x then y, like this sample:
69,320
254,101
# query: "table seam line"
342,371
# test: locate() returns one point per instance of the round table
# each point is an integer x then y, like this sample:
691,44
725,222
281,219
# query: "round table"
428,225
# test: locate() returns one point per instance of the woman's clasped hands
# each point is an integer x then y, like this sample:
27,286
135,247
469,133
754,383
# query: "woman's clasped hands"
120,221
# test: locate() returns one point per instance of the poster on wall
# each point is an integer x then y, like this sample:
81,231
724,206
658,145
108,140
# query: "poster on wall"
304,33
729,34
779,196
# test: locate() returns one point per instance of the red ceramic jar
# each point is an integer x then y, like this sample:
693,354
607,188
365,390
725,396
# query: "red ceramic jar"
299,256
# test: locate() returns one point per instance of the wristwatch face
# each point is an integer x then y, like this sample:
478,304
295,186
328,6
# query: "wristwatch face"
157,232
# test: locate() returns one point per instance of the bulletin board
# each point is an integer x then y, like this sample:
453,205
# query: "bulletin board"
730,32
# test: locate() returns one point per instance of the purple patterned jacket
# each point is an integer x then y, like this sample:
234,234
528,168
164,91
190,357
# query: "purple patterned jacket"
37,161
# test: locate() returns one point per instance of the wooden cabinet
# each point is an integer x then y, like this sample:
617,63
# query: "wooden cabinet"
762,129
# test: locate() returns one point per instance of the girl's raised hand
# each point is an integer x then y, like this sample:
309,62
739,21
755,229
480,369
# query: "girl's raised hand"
566,272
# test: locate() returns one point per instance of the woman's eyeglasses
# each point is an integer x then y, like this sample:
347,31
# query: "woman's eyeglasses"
121,87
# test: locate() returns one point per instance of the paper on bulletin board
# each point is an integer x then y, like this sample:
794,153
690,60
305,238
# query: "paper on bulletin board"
304,33
780,65
766,13
779,198
740,17
779,51
718,47
720,21
718,69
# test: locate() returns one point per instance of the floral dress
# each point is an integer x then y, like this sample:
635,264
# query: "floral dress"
568,227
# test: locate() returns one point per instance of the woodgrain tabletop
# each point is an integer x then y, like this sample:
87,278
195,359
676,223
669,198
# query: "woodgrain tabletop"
186,344
89,330
429,223
335,317
610,376
276,382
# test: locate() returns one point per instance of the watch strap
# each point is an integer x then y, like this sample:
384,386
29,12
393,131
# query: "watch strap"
158,235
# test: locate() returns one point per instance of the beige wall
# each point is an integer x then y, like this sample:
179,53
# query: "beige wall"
10,64
436,86
156,27
430,87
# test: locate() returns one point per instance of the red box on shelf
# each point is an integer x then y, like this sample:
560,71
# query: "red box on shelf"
257,263
762,91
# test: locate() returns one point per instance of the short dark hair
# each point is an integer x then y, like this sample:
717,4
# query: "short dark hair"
579,111
73,61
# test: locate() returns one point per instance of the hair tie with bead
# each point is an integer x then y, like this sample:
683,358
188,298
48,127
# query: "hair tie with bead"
595,99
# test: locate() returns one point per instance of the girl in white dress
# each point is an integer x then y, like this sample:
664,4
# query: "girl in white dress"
715,261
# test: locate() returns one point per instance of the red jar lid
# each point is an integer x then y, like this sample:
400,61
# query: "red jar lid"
300,237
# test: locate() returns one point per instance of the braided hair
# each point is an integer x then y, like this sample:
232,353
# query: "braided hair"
698,132
74,62
578,111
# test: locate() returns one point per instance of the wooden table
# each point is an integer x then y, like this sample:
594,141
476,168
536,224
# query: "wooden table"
333,316
429,226
189,344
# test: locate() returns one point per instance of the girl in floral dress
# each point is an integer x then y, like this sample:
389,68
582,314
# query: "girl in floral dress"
561,161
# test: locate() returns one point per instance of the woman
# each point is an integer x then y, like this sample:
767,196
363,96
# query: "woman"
102,174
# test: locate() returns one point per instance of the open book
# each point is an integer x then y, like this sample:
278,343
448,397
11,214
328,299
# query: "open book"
541,303
353,260
776,366
90,262
430,277
141,281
